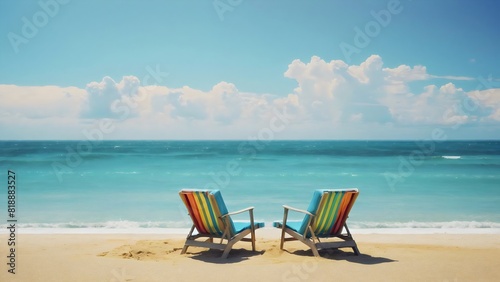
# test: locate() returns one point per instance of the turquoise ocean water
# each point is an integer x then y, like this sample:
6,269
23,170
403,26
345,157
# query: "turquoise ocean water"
134,184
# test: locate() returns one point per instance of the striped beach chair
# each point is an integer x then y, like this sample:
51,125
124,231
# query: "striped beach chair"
324,219
211,220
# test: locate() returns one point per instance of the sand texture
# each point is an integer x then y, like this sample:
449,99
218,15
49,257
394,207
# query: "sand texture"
124,257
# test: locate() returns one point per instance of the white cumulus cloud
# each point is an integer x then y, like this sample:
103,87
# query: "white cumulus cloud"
332,99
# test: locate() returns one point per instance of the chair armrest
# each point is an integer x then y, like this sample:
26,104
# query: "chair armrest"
250,212
297,210
237,212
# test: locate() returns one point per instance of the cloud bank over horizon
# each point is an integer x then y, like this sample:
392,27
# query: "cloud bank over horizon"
332,100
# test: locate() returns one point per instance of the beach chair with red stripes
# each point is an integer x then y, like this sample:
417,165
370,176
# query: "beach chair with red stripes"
211,220
324,220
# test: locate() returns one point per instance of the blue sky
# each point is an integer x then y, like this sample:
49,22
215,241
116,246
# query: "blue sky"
224,69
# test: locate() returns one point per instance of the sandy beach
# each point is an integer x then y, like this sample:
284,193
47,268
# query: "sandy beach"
156,257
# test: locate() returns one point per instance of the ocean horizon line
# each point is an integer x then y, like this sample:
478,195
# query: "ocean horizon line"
246,140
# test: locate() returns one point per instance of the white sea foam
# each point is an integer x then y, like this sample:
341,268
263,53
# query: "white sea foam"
451,157
132,227
427,225
426,231
169,231
108,225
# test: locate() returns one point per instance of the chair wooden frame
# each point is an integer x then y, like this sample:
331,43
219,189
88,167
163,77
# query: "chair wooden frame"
227,239
313,241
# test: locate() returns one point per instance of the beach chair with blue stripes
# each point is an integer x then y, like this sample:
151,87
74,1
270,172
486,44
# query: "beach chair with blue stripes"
211,220
324,219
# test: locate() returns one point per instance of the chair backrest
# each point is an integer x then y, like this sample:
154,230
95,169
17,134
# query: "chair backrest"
331,209
205,208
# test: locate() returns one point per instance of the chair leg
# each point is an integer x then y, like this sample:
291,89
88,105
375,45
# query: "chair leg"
356,250
252,229
315,250
228,248
184,250
283,226
253,239
226,252
282,237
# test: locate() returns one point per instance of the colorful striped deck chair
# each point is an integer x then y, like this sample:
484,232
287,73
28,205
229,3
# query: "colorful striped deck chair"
211,220
324,219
